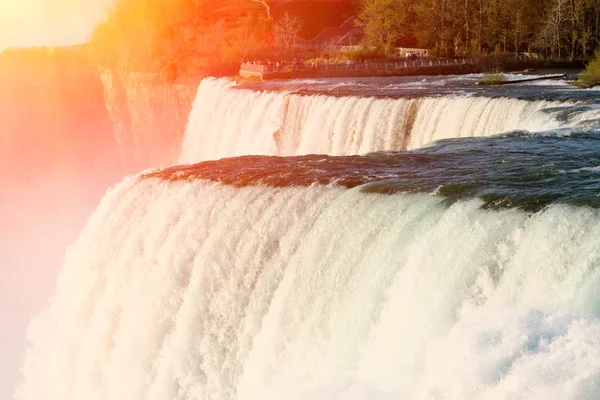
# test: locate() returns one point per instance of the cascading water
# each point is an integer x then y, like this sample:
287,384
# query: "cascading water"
322,277
228,122
465,269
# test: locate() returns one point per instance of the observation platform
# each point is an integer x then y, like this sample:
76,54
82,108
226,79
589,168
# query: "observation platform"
258,71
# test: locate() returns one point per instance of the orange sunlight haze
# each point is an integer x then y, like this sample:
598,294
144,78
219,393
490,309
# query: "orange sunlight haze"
25,23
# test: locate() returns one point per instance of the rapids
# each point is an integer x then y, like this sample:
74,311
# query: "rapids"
348,254
282,120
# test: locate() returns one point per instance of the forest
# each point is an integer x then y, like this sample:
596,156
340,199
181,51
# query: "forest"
556,29
192,37
201,37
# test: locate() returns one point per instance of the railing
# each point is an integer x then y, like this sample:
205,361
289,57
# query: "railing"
368,66
258,68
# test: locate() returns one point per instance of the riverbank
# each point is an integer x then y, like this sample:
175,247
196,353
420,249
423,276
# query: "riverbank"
255,73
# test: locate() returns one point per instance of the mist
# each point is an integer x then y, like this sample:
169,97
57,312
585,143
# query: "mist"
57,159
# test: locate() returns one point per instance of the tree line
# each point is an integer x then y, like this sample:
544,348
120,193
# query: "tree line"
559,29
200,37
180,37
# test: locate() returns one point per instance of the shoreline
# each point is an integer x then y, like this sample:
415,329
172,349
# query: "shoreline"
422,70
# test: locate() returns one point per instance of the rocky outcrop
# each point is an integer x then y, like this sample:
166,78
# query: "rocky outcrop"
58,111
149,116
116,104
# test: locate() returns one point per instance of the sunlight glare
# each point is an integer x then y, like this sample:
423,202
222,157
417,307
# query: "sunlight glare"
48,22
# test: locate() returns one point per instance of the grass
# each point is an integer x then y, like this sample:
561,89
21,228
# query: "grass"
590,76
492,77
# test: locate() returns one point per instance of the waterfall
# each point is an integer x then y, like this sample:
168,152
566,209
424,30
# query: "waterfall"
228,122
199,290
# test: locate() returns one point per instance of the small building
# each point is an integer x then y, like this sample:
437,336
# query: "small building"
347,34
405,51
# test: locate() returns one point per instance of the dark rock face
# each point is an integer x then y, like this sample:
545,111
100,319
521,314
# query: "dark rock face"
67,114
148,115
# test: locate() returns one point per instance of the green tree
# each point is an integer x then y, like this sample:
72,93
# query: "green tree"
383,22
590,77
428,23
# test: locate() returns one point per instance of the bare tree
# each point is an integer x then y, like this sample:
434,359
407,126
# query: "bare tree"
286,33
585,40
552,31
267,8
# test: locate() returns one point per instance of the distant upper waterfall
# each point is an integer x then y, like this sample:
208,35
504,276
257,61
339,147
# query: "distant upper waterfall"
227,122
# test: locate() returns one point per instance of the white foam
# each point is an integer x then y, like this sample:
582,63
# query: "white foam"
584,169
228,122
195,290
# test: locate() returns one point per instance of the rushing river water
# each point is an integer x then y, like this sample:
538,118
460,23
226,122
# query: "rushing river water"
380,238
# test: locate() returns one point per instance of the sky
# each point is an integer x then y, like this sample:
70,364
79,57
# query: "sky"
48,22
